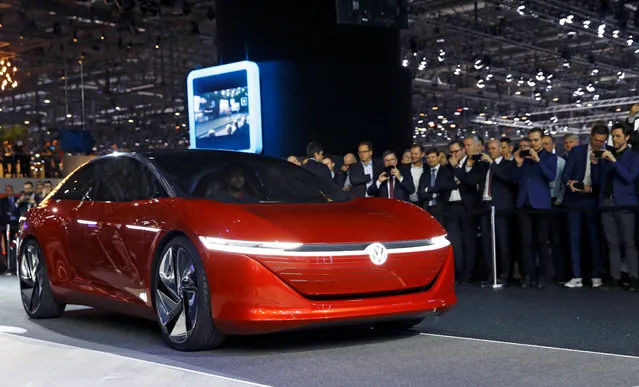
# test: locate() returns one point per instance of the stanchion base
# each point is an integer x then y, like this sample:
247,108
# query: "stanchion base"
497,286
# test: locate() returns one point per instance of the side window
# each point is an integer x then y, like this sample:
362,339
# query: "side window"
124,179
80,186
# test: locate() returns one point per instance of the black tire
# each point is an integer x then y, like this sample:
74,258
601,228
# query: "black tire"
171,295
35,288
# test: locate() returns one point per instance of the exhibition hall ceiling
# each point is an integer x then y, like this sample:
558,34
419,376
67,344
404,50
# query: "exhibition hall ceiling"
490,67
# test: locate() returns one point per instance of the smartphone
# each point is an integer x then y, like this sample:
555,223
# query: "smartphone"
598,153
579,185
476,157
388,170
524,153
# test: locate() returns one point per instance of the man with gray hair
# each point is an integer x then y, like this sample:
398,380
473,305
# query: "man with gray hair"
571,140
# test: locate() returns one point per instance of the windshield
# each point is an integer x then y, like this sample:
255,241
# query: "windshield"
233,177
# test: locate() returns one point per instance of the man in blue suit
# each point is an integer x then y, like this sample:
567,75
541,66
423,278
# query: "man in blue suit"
615,172
535,169
577,177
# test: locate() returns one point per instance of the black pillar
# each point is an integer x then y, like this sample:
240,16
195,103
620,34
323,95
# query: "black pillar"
336,84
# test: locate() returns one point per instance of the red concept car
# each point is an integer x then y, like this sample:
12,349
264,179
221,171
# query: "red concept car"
213,243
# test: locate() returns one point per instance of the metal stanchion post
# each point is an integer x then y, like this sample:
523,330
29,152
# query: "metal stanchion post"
494,247
6,248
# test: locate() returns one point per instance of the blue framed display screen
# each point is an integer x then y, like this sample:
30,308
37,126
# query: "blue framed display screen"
224,108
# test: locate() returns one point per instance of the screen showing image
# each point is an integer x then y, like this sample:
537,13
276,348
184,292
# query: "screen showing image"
221,111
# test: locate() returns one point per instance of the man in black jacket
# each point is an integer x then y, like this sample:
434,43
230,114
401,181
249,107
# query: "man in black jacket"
362,174
497,189
435,185
394,182
463,204
315,154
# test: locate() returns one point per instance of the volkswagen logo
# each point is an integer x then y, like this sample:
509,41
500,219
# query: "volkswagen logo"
377,253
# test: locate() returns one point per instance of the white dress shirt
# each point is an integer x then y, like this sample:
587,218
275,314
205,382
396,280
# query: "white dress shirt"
455,196
587,175
368,170
416,173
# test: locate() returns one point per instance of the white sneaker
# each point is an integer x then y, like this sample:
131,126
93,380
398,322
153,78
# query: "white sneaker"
574,283
596,282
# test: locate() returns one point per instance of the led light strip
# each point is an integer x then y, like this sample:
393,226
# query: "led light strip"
287,248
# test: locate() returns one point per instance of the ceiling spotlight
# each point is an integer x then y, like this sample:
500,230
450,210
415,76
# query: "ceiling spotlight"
478,64
621,75
520,10
531,83
480,84
509,78
615,33
590,88
458,70
540,76
601,30
405,63
586,24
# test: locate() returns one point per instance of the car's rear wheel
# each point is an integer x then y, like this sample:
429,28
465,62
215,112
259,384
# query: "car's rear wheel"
37,297
182,299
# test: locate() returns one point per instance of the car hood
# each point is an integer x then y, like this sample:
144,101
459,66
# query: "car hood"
359,220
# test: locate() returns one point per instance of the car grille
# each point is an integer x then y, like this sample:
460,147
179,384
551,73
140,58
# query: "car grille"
356,274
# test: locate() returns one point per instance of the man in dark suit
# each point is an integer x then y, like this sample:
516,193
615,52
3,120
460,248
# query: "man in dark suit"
435,186
394,182
497,191
463,204
616,173
577,177
315,154
338,176
362,174
9,217
535,169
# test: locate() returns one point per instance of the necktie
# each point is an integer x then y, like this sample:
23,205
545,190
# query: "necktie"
433,171
391,187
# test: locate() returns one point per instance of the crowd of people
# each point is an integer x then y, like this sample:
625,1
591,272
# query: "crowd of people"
552,211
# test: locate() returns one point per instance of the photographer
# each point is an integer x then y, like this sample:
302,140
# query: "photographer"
577,177
391,182
27,200
535,169
614,172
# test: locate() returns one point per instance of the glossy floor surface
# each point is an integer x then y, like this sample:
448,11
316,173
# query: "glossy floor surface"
510,337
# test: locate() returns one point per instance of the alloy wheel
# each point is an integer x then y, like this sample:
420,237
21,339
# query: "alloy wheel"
31,278
177,293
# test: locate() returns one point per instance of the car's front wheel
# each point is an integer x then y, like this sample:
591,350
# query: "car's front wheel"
182,299
37,297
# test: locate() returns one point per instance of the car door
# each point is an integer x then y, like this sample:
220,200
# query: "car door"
72,209
124,199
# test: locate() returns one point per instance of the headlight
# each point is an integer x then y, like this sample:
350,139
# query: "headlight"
247,247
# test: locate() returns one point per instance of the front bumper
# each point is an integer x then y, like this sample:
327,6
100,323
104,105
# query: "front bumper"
248,298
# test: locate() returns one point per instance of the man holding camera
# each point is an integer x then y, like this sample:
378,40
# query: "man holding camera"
577,177
27,200
615,172
391,182
535,169
463,202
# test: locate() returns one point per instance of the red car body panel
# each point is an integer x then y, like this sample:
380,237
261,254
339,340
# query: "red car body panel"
102,254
